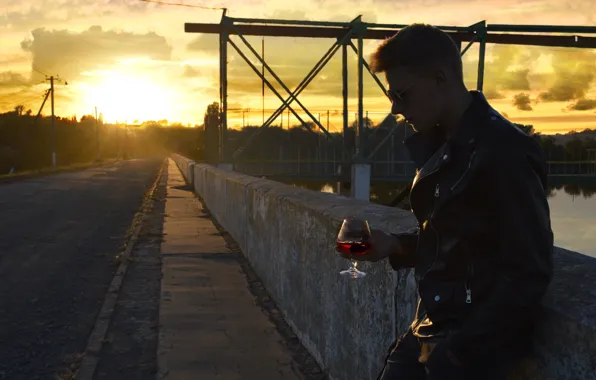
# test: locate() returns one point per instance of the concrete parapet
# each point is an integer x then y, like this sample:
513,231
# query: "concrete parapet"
288,235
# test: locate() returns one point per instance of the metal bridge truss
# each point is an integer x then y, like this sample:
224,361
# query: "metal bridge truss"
344,33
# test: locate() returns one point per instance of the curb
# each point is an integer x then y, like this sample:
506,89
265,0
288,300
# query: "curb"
98,334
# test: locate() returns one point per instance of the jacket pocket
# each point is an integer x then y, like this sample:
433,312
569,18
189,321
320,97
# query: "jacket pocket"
446,300
437,297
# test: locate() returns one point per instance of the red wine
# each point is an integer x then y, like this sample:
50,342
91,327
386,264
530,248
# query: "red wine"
354,247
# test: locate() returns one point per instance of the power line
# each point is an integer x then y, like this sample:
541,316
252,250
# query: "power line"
183,5
39,71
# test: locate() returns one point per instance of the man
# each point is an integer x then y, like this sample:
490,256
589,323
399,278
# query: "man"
483,250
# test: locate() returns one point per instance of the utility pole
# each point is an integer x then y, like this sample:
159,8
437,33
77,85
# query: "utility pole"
97,134
53,123
52,79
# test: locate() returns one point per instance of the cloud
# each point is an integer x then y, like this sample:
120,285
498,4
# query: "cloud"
583,105
191,72
69,54
574,72
20,15
503,69
522,102
12,79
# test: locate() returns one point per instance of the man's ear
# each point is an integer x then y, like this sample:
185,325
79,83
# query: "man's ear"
441,76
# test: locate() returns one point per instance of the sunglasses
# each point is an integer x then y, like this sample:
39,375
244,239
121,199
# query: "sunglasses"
396,96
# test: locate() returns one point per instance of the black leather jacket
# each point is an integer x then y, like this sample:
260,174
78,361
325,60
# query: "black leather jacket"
483,250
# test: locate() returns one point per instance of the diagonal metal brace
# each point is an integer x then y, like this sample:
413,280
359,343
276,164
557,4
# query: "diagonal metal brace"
469,44
318,67
305,82
264,79
367,66
398,123
265,65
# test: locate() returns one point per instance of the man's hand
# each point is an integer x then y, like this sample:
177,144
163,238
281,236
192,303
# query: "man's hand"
383,245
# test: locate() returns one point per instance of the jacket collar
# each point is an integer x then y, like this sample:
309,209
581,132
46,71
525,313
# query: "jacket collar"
423,146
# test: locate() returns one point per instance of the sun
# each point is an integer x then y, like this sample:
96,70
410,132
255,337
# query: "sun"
126,98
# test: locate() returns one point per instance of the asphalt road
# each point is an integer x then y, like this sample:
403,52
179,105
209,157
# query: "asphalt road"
58,238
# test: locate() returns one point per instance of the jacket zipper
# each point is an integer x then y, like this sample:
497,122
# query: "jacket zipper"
468,288
465,172
430,221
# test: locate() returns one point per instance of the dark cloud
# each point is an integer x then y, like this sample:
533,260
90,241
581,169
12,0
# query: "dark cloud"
583,105
69,54
502,73
12,79
522,102
574,72
490,92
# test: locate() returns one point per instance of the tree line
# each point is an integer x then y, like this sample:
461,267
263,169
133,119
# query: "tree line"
25,142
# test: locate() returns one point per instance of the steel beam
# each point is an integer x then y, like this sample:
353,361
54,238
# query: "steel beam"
493,27
463,35
571,29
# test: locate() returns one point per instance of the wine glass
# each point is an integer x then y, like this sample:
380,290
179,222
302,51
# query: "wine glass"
354,240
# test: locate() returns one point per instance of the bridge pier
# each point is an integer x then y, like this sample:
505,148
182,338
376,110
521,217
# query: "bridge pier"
361,182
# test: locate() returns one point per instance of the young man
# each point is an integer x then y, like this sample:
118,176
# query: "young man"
483,250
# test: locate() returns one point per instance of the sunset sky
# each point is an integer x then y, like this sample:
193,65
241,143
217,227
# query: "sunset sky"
133,60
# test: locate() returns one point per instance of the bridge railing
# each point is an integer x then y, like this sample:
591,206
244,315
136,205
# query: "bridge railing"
380,170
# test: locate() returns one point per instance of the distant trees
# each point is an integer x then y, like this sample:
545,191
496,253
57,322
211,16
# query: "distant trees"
26,145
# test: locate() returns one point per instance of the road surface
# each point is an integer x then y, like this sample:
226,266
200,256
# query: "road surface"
58,238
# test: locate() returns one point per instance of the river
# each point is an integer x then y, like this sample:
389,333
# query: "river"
572,208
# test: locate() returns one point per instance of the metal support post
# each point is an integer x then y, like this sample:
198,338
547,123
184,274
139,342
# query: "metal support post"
223,80
53,123
344,75
481,34
360,100
374,76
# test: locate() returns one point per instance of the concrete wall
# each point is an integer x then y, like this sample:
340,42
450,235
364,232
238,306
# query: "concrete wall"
288,235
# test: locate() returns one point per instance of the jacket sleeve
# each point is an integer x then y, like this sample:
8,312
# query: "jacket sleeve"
406,258
525,245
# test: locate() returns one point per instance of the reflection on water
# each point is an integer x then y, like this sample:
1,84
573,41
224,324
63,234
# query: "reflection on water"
572,207
573,217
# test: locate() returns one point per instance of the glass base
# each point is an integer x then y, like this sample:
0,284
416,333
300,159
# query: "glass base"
353,273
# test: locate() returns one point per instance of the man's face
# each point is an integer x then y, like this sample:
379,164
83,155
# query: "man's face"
416,96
